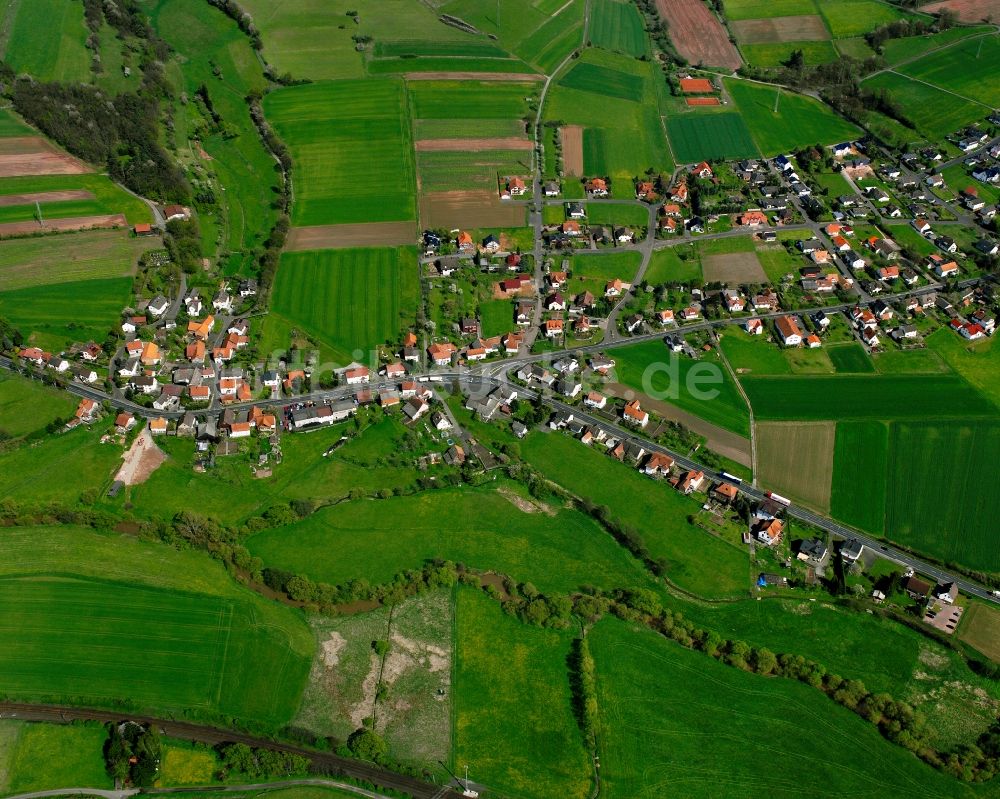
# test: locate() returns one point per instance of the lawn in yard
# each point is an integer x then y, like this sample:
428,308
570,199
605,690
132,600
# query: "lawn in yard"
513,710
348,299
666,266
696,561
850,359
752,355
702,387
593,272
351,148
799,121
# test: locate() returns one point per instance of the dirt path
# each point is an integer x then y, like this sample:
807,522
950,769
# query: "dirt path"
69,223
40,163
46,197
724,442
512,77
142,459
472,145
364,234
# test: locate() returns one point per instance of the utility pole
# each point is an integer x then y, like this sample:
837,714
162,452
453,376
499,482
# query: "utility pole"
38,210
777,97
498,19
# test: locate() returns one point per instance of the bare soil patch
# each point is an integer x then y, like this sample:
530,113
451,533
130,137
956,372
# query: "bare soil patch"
572,149
69,223
507,77
142,459
26,145
472,145
45,196
733,268
469,209
796,458
725,442
967,10
703,101
806,28
697,33
40,163
525,505
364,234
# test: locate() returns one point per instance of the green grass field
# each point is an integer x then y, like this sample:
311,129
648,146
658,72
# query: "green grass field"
350,143
218,55
559,553
800,120
934,112
696,561
621,138
960,69
469,171
865,397
751,9
47,40
666,267
97,617
847,18
513,722
776,54
312,38
12,125
897,50
617,26
603,80
727,409
850,359
860,459
699,137
939,494
348,299
73,754
709,728
69,258
979,362
592,272
108,197
28,405
65,312
749,355
470,99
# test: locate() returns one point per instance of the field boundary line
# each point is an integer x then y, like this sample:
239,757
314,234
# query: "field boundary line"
939,88
228,610
753,424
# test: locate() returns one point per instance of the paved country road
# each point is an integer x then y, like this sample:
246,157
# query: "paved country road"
321,762
258,786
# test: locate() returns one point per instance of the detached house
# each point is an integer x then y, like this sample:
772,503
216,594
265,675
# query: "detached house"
634,414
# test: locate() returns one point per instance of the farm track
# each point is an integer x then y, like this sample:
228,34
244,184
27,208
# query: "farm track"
321,762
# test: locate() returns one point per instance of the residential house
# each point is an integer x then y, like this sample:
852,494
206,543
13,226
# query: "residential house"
788,330
635,415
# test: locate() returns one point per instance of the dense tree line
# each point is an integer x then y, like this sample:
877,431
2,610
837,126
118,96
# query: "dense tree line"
234,11
583,682
904,28
120,132
132,754
240,759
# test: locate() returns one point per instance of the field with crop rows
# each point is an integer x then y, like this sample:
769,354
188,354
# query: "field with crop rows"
351,148
702,136
349,299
